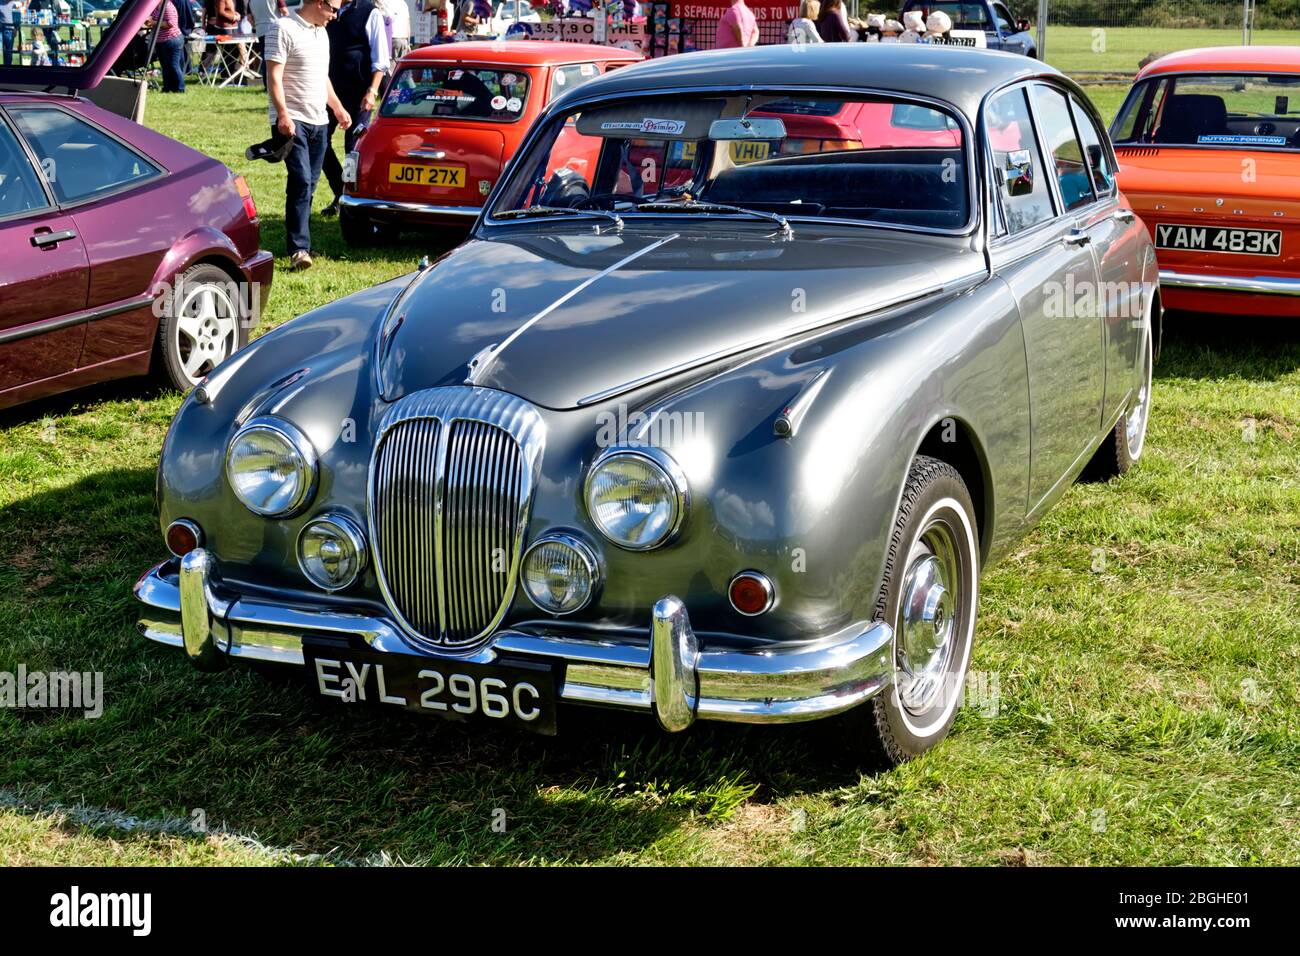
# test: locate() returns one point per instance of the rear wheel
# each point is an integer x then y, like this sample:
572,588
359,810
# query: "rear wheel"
1123,446
360,230
202,325
929,596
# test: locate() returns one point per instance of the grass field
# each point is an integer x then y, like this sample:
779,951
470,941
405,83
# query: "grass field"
1119,49
1143,643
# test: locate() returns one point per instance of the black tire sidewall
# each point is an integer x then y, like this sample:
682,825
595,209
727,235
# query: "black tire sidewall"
931,483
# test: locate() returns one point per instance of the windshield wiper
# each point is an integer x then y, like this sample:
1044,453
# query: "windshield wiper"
711,207
533,211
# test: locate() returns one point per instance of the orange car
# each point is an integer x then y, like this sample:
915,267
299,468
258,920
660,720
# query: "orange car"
452,117
1209,148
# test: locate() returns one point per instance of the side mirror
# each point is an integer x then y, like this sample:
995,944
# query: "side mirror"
1019,173
1023,25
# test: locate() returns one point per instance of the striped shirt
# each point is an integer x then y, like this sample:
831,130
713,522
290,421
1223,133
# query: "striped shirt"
305,52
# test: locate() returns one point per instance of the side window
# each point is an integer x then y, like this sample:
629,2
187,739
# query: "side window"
1006,22
1021,176
1103,176
1053,112
78,160
565,78
20,186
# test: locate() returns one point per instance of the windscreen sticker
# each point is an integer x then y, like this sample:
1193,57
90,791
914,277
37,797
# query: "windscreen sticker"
665,127
1241,140
514,104
498,103
509,79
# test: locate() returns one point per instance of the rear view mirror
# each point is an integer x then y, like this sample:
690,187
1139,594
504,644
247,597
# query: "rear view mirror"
1019,173
747,128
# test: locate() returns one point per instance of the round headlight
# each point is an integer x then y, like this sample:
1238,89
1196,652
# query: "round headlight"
271,466
559,574
331,552
636,498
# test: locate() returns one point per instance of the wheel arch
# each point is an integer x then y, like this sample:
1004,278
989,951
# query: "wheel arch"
953,440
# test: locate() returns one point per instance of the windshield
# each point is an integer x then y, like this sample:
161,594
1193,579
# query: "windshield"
1221,110
821,155
480,93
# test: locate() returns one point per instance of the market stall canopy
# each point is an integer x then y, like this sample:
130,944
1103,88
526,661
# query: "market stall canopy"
59,51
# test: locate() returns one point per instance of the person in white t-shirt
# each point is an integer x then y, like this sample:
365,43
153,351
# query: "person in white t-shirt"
397,18
803,28
301,99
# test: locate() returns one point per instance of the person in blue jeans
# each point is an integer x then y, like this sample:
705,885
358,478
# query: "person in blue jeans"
302,99
11,16
170,47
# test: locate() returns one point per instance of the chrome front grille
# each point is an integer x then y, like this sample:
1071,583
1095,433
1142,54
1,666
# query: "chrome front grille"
451,485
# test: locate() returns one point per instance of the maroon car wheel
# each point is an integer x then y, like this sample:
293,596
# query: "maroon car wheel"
202,324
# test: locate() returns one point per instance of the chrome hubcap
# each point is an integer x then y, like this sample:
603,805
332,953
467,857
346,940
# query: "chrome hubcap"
206,329
928,618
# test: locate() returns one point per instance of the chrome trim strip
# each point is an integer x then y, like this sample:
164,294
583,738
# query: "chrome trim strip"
486,362
42,326
393,205
1265,285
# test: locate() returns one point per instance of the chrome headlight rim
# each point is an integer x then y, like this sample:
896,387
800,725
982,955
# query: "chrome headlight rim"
351,530
670,469
308,470
584,551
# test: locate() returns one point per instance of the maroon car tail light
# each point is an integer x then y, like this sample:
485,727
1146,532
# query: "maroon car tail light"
183,536
246,194
751,593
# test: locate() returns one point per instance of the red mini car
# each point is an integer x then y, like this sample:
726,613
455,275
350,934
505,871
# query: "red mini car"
1209,148
124,251
451,118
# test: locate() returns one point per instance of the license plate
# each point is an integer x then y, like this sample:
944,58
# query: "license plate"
1246,242
749,152
522,695
412,175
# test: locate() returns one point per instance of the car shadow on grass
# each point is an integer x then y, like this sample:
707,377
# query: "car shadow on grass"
1218,347
260,756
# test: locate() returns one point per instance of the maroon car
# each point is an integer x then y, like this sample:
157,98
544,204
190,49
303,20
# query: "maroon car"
125,252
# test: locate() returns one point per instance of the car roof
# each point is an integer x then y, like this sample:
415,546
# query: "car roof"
960,76
521,52
1228,59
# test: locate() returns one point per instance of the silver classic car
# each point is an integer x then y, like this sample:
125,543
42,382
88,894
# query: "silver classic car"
752,363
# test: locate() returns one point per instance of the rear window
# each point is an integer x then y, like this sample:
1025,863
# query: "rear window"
496,95
1227,111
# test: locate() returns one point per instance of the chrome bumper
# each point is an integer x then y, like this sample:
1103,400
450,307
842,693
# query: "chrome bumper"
1264,285
666,671
362,204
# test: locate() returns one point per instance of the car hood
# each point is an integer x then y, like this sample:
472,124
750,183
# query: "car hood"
566,318
85,76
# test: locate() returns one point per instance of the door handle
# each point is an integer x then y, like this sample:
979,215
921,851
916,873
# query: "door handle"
428,153
1076,237
43,239
1124,215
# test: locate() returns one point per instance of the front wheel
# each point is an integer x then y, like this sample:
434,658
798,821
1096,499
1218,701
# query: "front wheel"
202,324
929,596
1123,446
